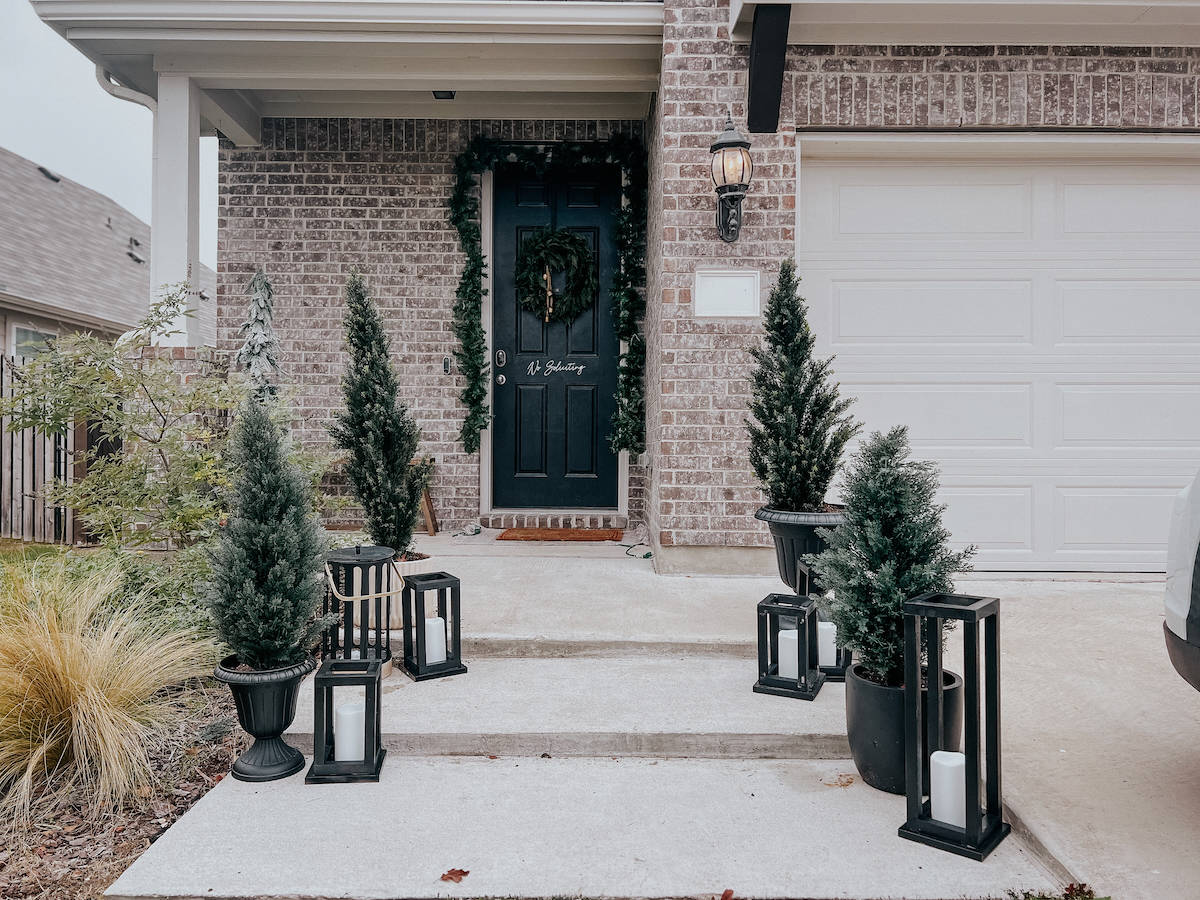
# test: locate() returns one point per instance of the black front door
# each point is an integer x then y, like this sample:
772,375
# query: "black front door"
553,383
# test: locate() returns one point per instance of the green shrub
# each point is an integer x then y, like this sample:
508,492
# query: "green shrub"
267,562
375,429
890,548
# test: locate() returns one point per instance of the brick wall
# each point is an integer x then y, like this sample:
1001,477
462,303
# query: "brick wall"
701,491
321,196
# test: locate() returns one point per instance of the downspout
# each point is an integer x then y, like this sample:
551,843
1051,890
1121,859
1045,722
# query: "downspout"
124,93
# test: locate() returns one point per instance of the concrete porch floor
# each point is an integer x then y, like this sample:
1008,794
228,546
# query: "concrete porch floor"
1100,741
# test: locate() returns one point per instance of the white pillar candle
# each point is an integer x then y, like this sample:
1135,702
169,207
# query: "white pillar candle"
789,653
435,641
349,726
948,787
826,644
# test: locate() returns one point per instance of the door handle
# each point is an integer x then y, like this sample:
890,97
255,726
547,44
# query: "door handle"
500,379
501,359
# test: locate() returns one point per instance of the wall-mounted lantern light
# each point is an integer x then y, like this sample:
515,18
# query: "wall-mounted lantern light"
732,170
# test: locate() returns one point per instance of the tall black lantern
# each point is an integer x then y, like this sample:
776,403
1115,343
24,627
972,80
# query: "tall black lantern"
361,582
357,730
432,645
787,665
954,812
843,658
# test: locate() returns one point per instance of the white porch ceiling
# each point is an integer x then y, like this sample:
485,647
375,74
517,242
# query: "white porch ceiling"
1171,23
508,59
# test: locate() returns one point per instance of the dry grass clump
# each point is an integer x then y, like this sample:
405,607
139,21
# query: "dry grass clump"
84,674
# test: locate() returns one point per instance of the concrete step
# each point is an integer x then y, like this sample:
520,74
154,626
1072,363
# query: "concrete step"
564,828
686,705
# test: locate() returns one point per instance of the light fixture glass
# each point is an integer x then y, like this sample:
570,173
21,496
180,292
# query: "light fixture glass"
732,172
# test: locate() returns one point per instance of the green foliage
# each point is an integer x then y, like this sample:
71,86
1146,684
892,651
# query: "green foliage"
800,425
259,353
556,250
267,563
484,153
890,548
154,467
375,429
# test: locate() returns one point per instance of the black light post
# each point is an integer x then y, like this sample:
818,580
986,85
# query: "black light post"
732,172
787,647
330,764
432,645
954,812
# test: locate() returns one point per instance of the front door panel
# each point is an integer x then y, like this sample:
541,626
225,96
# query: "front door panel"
553,383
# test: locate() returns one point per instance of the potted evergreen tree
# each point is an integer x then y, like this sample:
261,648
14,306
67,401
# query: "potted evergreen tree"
799,429
890,547
266,588
379,436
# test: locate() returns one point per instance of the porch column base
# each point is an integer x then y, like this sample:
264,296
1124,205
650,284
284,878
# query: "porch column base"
672,560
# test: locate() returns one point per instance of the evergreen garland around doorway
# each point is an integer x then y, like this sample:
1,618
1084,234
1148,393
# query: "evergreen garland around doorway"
543,255
628,427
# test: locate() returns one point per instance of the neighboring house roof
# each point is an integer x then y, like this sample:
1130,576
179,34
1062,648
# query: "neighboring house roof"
70,253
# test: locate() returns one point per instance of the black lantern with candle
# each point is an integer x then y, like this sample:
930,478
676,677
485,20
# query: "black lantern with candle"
954,812
329,765
787,665
361,582
432,645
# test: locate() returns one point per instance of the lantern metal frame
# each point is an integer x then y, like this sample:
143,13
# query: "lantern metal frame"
924,617
342,673
448,590
810,678
844,657
730,196
374,608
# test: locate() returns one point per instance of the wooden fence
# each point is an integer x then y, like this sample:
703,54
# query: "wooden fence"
30,462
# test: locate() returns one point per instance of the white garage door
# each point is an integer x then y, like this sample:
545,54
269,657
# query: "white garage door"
1037,326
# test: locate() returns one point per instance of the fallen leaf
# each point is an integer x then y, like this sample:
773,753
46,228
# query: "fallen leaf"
456,875
144,791
728,894
545,756
843,780
492,756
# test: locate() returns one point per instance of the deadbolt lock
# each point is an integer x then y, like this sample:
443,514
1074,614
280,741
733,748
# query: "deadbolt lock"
501,359
499,379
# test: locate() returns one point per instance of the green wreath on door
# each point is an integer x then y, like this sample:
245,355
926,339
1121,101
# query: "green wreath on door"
542,256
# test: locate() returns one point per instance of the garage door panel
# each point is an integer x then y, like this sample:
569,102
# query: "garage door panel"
1122,311
931,208
1145,415
995,517
932,311
1112,518
940,414
1036,326
1131,206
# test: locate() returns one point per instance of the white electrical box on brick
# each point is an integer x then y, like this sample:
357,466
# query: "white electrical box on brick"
726,293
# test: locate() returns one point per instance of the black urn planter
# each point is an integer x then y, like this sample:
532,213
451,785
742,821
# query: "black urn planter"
266,706
795,534
875,726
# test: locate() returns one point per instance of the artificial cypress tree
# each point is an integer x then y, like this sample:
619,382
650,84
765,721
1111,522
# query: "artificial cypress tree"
267,564
259,352
800,425
375,429
890,548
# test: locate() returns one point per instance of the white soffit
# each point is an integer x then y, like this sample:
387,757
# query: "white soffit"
1073,22
511,58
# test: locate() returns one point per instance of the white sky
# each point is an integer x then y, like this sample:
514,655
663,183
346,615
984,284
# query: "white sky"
53,112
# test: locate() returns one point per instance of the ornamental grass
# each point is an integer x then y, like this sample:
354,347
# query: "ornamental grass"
85,673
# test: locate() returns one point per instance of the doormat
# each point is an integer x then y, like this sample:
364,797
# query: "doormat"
561,534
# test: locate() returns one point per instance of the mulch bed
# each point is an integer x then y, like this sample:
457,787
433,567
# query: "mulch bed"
70,855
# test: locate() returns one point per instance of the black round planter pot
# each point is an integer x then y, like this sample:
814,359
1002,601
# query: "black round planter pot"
795,534
266,705
875,726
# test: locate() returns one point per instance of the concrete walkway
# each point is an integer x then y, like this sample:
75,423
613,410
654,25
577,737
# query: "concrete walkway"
589,654
564,828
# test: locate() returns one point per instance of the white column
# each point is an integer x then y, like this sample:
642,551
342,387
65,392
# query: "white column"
175,201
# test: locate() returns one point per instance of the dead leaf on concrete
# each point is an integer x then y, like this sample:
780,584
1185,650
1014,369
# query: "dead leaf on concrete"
455,875
842,780
728,894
